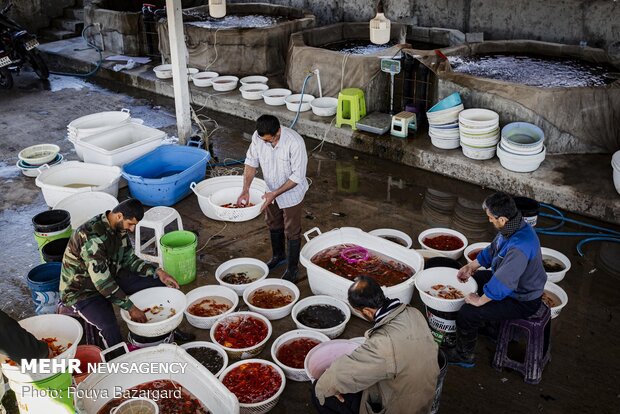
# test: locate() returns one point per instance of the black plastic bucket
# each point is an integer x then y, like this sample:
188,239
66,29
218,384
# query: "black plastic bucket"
443,370
54,250
529,209
51,221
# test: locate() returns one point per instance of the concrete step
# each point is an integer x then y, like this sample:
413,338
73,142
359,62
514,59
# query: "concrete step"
74,14
51,34
70,25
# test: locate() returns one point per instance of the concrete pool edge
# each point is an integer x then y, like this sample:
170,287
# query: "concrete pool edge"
591,194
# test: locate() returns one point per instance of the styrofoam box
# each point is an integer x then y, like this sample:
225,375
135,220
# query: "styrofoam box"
120,145
324,282
195,378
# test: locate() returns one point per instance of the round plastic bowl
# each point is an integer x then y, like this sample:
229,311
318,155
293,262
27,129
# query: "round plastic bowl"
203,79
33,170
475,153
250,80
84,206
519,163
224,83
444,276
561,294
230,195
277,313
453,254
323,355
324,106
242,353
162,296
523,135
253,91
276,97
473,247
294,374
262,407
206,322
224,267
39,154
555,277
451,143
163,71
296,102
384,233
478,118
447,102
333,332
211,345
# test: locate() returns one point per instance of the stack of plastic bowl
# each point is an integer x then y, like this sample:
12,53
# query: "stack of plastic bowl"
479,132
615,163
31,158
521,148
443,126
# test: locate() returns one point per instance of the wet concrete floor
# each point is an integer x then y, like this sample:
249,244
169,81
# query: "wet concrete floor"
348,189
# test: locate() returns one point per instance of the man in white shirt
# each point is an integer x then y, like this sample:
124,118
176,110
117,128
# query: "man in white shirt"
281,154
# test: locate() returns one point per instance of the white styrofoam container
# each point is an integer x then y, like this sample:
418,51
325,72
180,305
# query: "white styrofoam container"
196,379
324,282
205,188
120,145
53,181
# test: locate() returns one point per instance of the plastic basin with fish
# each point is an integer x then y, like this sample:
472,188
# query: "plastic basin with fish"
225,267
277,313
556,277
332,332
443,276
206,322
173,302
295,374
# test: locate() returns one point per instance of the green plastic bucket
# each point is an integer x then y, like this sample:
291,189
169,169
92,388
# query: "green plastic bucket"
44,238
179,255
49,396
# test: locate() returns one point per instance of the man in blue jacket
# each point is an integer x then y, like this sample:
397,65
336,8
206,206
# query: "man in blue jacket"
511,289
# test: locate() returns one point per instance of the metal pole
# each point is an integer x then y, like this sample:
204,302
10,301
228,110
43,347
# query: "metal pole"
179,69
392,93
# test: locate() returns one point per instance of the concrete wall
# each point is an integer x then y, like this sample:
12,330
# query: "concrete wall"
562,21
38,14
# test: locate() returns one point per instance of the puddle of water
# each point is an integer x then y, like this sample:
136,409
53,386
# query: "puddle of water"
541,71
8,171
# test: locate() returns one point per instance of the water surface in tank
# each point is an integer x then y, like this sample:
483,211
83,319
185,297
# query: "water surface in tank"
232,21
532,70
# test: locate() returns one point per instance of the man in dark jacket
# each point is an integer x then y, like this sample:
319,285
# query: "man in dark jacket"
511,289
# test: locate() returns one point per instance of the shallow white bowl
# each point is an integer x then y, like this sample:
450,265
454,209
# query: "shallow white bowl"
242,353
276,97
332,332
216,347
325,106
393,233
224,267
478,153
295,374
296,103
555,277
472,247
203,79
254,79
453,254
206,322
38,154
277,313
253,91
224,83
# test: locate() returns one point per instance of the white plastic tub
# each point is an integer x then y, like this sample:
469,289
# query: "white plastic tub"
475,118
325,106
442,143
443,276
84,206
453,254
74,177
224,83
479,154
66,329
120,145
253,91
276,97
333,332
556,277
294,374
224,267
294,102
164,296
323,282
99,122
230,195
196,379
206,322
205,188
519,163
204,79
277,313
242,353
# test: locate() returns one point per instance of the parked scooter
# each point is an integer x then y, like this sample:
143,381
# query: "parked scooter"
20,47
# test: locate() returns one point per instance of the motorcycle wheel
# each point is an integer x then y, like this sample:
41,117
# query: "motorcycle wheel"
37,63
6,78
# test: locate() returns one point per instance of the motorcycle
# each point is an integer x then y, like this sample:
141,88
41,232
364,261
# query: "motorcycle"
20,47
6,78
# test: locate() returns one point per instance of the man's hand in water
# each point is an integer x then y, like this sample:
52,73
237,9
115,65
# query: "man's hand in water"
137,315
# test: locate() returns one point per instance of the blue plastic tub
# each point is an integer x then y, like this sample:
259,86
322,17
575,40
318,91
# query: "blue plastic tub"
44,283
448,102
162,176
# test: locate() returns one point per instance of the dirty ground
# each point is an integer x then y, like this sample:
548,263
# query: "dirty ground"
348,189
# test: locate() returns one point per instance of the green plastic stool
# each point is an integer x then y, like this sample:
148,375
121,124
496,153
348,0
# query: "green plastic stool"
351,107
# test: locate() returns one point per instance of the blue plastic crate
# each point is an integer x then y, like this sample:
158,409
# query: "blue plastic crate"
162,176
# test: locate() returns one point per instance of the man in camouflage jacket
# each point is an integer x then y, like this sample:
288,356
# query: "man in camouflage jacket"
99,268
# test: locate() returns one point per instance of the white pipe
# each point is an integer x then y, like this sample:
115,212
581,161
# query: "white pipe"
318,79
